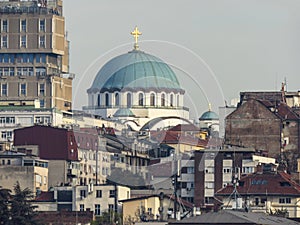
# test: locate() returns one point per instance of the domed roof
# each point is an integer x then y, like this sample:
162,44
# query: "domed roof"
124,112
209,115
135,70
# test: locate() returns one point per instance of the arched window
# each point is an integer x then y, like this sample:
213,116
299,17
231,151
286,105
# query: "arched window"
178,100
98,100
163,100
171,100
117,99
141,99
106,99
152,99
128,100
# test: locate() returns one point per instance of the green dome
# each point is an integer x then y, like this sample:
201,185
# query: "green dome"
134,71
209,115
124,112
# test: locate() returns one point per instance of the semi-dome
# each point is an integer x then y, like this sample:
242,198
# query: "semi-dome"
209,115
134,71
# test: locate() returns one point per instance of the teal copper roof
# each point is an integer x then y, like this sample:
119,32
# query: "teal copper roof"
123,112
135,70
209,115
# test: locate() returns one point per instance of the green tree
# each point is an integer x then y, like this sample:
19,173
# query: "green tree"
21,210
4,206
108,218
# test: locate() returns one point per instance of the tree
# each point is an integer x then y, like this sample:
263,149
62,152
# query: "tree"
108,218
21,210
4,203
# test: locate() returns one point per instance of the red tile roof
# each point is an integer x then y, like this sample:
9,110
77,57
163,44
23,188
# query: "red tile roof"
47,196
174,137
261,184
286,112
185,127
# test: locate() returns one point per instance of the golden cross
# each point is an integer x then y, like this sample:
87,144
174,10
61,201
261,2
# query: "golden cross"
136,33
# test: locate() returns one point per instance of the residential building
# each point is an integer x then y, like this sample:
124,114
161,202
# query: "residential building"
58,145
34,54
270,126
154,208
215,168
31,172
96,198
266,191
234,217
12,117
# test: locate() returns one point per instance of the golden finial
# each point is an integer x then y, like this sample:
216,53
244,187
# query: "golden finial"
136,33
209,107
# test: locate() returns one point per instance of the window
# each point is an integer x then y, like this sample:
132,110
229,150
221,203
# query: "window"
141,99
99,194
82,193
117,99
7,71
4,27
110,207
111,193
25,71
40,71
106,99
42,103
3,89
285,200
42,24
81,207
42,41
10,120
22,89
172,100
163,100
4,41
11,71
97,209
99,100
42,89
7,58
210,170
23,25
23,41
152,99
190,170
128,100
40,58
178,100
226,170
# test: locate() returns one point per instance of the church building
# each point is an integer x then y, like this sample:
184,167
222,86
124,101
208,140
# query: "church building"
137,88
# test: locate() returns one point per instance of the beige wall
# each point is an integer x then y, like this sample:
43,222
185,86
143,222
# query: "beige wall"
57,172
25,175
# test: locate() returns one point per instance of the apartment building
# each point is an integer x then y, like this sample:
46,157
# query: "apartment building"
34,54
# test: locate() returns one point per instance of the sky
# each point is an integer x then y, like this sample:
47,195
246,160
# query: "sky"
216,47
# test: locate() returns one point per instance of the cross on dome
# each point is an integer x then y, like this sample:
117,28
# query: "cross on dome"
136,33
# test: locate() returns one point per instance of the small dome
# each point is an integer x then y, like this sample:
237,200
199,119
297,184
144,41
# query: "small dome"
209,115
124,112
134,71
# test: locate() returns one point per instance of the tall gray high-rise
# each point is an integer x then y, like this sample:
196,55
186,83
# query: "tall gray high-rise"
34,55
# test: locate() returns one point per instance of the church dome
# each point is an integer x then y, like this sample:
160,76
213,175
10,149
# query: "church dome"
209,115
135,71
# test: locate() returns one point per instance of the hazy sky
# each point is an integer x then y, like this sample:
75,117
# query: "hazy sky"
217,47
